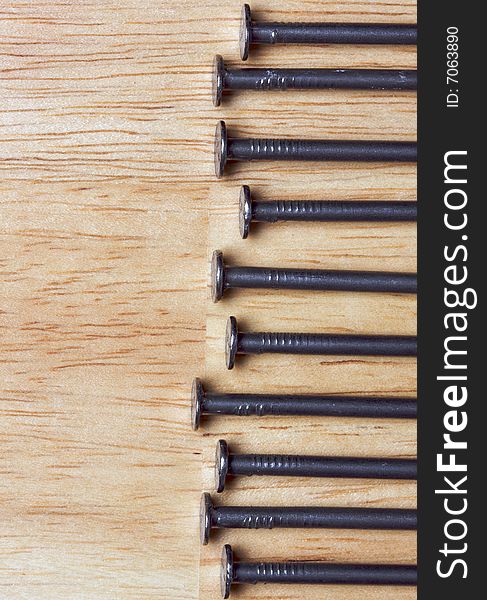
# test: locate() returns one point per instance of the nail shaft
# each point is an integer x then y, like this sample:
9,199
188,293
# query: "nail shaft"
303,517
248,149
317,210
315,279
306,517
314,343
306,572
261,405
303,210
267,79
333,33
322,573
304,79
224,277
277,405
318,466
284,465
256,32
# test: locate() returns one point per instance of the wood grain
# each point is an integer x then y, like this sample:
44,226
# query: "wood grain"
110,211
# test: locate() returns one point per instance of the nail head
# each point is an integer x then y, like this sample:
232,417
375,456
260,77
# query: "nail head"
221,465
221,148
226,572
231,339
205,518
217,275
245,213
217,81
197,395
245,36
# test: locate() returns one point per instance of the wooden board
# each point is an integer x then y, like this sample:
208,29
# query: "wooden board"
110,211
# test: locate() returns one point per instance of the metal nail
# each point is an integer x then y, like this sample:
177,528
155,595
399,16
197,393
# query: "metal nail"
224,277
247,149
306,405
267,79
307,572
255,32
313,343
302,517
308,466
320,210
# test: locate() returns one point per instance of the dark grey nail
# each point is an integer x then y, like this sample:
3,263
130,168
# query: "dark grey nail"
302,517
308,466
306,572
307,150
313,343
224,278
267,79
320,210
261,405
252,32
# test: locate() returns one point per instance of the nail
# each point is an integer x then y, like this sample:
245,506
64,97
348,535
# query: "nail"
267,79
307,466
224,277
308,150
261,405
252,32
300,517
317,210
314,343
306,572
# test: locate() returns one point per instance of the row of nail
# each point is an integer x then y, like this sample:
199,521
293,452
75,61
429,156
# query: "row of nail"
206,404
228,148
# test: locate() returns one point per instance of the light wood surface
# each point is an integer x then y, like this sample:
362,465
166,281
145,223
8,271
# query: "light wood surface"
110,211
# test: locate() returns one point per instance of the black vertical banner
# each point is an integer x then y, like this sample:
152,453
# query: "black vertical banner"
451,322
